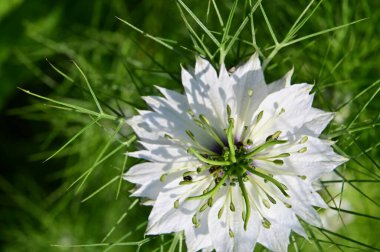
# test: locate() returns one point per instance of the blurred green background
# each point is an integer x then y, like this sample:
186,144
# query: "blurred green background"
37,211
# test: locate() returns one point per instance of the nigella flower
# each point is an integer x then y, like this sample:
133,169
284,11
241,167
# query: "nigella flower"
232,161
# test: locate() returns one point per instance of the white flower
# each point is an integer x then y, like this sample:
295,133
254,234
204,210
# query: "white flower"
232,161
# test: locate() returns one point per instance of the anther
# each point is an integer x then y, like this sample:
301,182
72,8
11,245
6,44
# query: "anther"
210,201
187,178
176,204
163,177
232,207
228,111
303,177
220,212
278,162
287,205
250,92
203,207
231,233
274,136
271,199
266,203
304,140
259,116
204,119
302,150
190,112
194,219
167,136
190,134
266,223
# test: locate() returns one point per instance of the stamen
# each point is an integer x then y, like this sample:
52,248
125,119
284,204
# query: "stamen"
264,146
167,136
266,203
220,212
203,207
278,162
210,202
194,219
250,92
231,234
274,136
266,223
163,177
303,177
304,140
232,206
302,150
279,185
176,204
259,116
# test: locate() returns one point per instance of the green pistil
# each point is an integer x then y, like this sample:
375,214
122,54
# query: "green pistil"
206,160
214,190
247,204
230,138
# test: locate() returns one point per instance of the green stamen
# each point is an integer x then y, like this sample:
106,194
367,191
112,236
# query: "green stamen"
264,146
279,185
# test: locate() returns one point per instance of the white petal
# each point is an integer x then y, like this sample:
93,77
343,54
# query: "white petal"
163,153
249,91
317,159
220,227
200,94
147,176
242,240
198,238
283,110
281,83
164,218
317,122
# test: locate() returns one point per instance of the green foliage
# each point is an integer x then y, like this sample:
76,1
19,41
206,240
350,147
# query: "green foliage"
104,55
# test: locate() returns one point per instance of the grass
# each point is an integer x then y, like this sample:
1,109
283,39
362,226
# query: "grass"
100,63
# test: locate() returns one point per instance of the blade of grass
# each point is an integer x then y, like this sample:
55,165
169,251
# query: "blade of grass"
196,19
100,189
89,87
72,139
156,39
74,107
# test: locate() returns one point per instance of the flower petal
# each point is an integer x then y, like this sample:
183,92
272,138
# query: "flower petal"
164,217
249,91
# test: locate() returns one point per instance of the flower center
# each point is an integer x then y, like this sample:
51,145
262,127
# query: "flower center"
234,164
